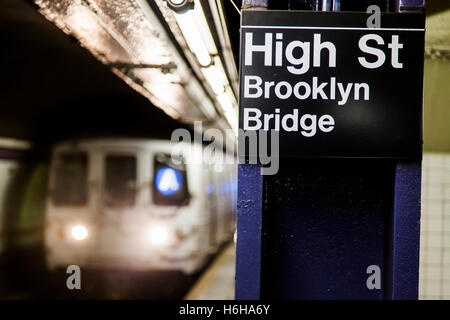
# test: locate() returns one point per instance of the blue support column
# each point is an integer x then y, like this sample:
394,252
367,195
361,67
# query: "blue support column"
406,232
320,247
325,222
249,217
249,226
406,224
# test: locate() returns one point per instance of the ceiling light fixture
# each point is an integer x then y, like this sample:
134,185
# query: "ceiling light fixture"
197,34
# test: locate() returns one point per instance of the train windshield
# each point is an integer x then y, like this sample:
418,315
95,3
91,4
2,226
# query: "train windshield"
120,180
170,184
70,187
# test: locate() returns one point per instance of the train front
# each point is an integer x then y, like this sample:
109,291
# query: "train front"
131,206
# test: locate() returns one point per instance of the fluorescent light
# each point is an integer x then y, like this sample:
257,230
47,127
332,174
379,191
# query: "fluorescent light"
215,75
196,32
203,27
226,100
195,43
197,35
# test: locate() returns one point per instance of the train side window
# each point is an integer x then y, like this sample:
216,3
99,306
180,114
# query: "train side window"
120,180
70,187
169,182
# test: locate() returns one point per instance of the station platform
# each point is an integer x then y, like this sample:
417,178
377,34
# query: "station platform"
217,282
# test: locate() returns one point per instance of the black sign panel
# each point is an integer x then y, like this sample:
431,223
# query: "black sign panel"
331,86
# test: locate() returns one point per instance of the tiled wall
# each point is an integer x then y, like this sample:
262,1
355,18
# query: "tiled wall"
435,227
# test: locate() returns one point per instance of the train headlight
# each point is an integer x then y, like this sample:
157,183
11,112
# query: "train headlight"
158,235
79,232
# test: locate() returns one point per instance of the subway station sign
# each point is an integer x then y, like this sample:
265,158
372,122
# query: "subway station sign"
331,86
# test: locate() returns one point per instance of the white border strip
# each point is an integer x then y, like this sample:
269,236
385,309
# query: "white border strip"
330,28
11,143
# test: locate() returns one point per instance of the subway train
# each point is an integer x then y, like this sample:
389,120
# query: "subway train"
137,204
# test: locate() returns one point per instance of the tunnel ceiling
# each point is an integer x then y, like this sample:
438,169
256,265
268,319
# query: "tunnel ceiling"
52,88
179,60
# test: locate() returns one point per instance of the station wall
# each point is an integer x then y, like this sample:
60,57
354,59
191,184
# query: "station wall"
434,272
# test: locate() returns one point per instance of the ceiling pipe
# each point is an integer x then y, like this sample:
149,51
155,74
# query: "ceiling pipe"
409,5
255,4
331,5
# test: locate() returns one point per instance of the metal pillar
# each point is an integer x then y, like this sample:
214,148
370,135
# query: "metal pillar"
406,232
249,230
249,217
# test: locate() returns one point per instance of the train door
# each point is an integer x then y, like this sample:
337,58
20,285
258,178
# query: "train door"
119,205
69,183
70,202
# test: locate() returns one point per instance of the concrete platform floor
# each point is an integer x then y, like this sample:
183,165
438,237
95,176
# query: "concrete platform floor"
217,282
